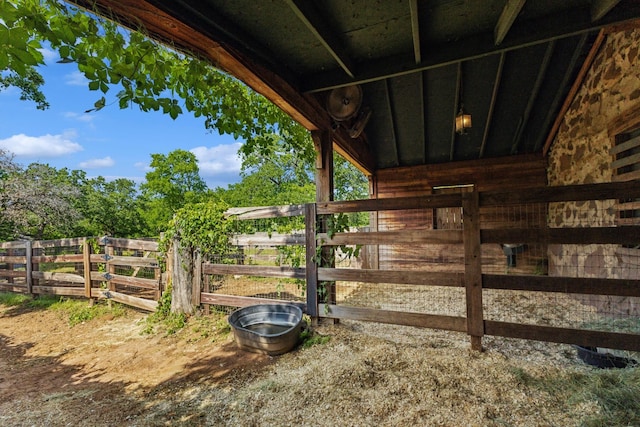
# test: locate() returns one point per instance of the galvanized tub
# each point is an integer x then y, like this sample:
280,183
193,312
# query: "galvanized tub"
267,328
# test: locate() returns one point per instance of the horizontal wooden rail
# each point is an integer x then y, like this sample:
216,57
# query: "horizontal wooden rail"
581,337
263,212
57,258
139,245
13,259
254,270
578,236
10,287
569,285
41,244
391,276
569,193
449,323
242,301
124,261
58,277
118,279
144,304
12,273
13,245
59,290
399,203
392,237
267,239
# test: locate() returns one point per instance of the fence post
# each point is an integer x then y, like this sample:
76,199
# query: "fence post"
29,266
10,253
311,265
182,280
86,263
197,278
473,267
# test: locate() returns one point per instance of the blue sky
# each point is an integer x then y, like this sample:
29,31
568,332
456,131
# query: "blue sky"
113,143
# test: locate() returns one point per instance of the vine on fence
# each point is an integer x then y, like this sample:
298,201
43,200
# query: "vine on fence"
201,225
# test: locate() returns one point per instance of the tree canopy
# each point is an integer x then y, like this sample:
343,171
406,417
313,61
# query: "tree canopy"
128,68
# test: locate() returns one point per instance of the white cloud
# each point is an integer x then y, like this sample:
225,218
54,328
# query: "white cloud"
86,117
50,56
41,146
76,79
218,160
105,162
145,167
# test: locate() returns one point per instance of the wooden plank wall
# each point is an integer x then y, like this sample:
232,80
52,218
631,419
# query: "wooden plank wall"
516,173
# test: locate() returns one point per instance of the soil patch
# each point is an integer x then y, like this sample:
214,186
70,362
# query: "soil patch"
105,372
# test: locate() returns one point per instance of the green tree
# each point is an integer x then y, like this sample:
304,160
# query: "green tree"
111,208
130,69
40,202
173,182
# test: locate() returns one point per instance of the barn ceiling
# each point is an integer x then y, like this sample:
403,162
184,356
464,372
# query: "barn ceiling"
509,63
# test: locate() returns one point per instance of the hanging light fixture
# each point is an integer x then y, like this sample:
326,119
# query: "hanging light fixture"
463,121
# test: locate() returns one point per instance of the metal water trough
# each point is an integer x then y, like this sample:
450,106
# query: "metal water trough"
267,328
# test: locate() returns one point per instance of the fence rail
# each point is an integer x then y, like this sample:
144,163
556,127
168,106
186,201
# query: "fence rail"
126,271
554,264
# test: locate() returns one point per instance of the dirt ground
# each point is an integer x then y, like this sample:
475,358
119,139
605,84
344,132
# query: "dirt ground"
106,373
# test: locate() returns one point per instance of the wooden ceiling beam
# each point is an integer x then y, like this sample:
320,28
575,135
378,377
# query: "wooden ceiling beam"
600,8
542,72
303,108
566,81
492,104
308,14
456,107
394,133
509,14
415,30
478,46
586,66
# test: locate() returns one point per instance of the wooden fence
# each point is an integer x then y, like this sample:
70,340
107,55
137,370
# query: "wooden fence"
122,270
470,276
596,255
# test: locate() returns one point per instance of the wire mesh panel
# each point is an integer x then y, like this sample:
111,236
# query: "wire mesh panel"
584,311
256,247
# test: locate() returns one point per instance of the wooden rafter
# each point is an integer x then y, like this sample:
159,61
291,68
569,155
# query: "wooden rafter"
415,30
307,13
387,94
492,104
547,29
574,90
509,14
542,72
456,106
577,54
600,8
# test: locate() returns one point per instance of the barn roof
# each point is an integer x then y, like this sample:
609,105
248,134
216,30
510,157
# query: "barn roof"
511,64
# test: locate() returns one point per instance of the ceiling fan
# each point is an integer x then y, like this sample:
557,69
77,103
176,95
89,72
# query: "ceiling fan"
344,107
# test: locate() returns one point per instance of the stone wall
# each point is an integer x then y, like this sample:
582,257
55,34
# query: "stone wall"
580,152
580,155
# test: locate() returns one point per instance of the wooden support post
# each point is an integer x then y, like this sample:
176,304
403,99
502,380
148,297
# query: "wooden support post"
29,266
374,250
86,262
473,267
311,265
324,193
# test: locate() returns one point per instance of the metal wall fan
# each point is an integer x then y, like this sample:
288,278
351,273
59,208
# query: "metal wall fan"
343,105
